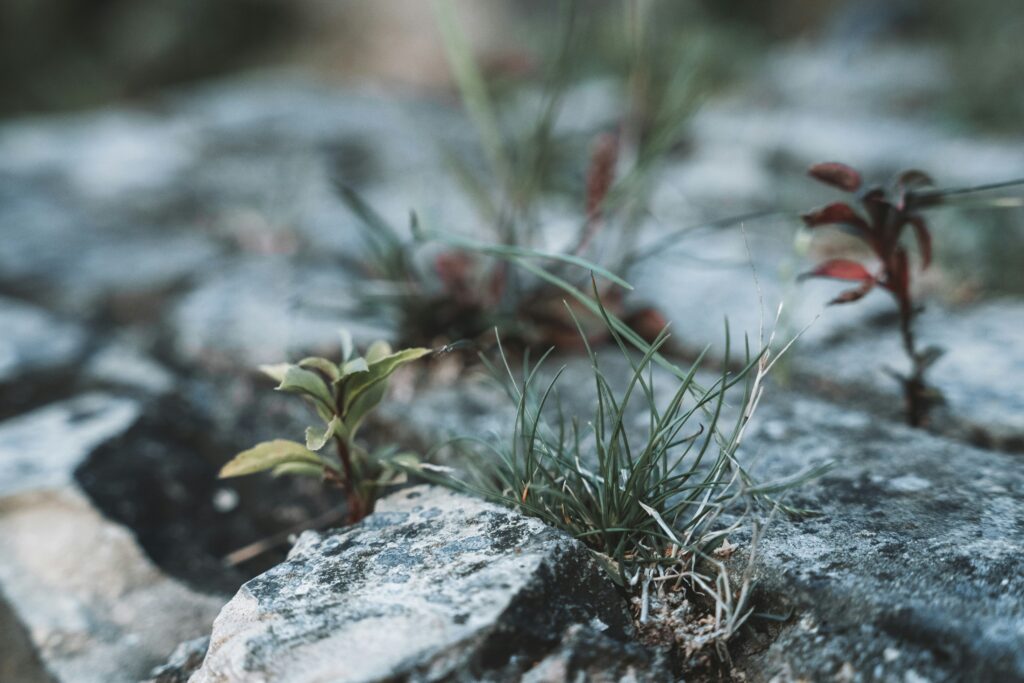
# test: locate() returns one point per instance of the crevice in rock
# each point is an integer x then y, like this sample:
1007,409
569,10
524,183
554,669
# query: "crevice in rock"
160,480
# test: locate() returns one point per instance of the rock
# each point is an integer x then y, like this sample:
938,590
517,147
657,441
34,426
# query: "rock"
182,663
106,155
89,605
19,660
846,349
159,479
433,586
830,129
263,312
913,568
876,78
978,374
159,264
711,271
40,450
121,364
588,655
33,340
84,262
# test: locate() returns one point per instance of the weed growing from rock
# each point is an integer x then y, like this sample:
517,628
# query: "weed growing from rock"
886,215
341,395
650,501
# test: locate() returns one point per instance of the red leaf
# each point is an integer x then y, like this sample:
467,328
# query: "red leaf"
838,213
841,269
924,240
836,175
601,173
854,294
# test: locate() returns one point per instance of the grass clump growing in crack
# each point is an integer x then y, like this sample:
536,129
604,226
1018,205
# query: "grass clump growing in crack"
650,480
342,395
629,498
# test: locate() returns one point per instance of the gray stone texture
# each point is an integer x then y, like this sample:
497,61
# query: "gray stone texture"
79,601
433,586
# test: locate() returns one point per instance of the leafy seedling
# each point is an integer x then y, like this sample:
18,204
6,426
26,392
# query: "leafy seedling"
887,213
341,395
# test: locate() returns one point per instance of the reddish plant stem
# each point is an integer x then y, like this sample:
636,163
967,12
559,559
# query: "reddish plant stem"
355,503
914,387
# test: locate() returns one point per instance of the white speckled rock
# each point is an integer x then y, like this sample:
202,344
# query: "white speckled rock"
34,340
263,310
433,586
79,601
914,566
978,375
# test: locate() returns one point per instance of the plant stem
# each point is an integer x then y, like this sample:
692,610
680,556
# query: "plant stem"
914,388
354,500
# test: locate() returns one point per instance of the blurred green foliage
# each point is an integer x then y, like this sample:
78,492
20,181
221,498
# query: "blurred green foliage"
59,54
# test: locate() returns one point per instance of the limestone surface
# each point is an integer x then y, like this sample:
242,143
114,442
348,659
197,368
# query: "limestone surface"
79,601
433,586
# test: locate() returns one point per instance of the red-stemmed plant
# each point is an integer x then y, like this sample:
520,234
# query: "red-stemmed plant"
887,212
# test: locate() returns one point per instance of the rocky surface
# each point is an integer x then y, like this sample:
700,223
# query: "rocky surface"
79,601
35,340
983,349
183,662
433,586
157,253
913,568
263,311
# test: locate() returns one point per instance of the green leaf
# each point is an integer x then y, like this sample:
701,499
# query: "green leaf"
325,366
380,369
346,345
276,371
509,251
353,366
302,469
404,460
473,88
390,477
268,455
378,350
299,381
316,440
363,404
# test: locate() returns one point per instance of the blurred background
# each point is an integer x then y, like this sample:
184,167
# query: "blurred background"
68,54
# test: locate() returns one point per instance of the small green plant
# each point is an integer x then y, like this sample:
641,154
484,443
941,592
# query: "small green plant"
643,498
640,501
651,502
469,288
341,395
